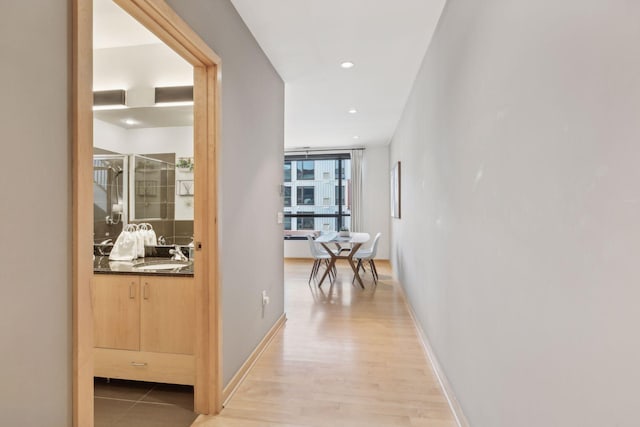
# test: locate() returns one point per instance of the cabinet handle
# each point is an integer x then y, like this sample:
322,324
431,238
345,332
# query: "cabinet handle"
132,290
146,290
138,364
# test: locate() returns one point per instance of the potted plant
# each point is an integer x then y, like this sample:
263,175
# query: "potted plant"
344,232
185,163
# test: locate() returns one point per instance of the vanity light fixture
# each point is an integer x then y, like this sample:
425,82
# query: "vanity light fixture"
173,96
109,99
347,64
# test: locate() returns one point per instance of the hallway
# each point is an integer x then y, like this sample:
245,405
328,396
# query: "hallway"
345,357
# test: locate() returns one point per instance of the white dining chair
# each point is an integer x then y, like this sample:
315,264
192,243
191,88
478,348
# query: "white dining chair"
319,255
369,255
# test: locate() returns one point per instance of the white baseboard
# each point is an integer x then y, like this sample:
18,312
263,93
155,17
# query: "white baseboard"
458,414
230,388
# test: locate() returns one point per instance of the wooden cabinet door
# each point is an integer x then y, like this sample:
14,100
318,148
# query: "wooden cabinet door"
116,311
167,315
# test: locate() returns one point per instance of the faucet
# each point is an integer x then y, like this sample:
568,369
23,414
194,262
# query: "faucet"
101,247
177,254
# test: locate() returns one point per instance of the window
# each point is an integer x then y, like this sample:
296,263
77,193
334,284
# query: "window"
306,170
287,171
287,223
339,198
305,224
322,203
306,195
339,173
287,196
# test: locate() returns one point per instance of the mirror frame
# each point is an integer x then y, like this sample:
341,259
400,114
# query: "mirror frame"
160,19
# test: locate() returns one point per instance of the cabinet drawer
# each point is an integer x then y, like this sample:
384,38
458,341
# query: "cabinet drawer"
144,366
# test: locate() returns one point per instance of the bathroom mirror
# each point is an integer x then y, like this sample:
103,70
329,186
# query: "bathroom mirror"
147,127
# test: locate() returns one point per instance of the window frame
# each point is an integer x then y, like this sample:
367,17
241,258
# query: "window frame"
287,197
340,214
300,176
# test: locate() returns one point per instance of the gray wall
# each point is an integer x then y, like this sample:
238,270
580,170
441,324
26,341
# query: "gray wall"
35,213
519,242
251,172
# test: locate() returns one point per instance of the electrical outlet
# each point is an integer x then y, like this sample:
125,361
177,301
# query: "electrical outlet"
265,298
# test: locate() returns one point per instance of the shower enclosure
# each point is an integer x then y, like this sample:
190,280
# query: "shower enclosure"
110,195
152,187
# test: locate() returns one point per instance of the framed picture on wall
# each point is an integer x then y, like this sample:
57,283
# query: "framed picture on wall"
184,187
395,190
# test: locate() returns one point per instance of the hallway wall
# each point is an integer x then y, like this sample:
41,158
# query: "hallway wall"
35,213
251,153
520,233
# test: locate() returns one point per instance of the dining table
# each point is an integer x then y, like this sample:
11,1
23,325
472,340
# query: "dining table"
353,240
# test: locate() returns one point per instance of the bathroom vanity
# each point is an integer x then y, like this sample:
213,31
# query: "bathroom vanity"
144,322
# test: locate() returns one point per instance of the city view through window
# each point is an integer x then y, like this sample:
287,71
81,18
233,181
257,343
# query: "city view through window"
316,193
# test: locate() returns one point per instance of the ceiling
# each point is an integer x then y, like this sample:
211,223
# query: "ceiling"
128,56
307,40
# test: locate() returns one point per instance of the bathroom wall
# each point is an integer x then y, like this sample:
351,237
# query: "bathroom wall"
519,238
35,262
250,172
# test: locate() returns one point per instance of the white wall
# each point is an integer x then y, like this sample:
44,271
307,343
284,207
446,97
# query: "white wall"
110,137
376,215
177,140
375,198
518,246
251,173
35,266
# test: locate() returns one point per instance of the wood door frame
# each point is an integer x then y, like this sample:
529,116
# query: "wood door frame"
160,19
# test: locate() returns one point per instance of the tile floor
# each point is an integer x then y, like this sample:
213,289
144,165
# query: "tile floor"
120,403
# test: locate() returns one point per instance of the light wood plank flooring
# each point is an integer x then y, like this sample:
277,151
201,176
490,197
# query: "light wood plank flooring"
345,357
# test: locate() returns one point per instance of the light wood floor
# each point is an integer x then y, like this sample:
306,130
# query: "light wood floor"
345,357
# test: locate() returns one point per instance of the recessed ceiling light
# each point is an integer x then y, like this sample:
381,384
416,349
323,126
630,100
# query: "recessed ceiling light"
347,64
130,122
356,137
353,111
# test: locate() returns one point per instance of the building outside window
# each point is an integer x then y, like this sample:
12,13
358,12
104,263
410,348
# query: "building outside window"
306,195
305,170
305,223
287,171
320,190
287,196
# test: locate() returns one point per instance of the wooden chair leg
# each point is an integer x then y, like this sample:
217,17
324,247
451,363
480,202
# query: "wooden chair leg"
374,271
332,272
313,269
318,267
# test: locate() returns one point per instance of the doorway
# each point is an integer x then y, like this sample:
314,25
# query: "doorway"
162,21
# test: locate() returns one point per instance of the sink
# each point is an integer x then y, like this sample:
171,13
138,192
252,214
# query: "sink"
162,265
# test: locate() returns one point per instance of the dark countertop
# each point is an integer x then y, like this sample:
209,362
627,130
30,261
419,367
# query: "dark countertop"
102,265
